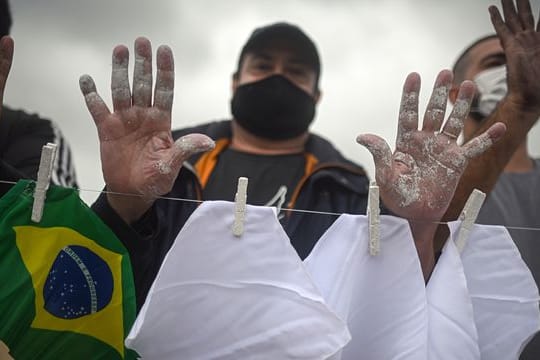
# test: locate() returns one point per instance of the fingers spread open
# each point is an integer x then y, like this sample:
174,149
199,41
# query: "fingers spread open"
484,141
6,57
408,110
142,73
453,126
163,95
382,155
436,108
97,107
121,95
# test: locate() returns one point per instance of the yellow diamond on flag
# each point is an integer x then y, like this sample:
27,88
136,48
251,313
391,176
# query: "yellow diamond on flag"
73,279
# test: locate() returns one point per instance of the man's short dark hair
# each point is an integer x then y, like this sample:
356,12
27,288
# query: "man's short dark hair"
463,60
5,18
283,34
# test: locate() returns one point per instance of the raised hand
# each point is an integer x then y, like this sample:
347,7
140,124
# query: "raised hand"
138,153
6,57
418,180
521,43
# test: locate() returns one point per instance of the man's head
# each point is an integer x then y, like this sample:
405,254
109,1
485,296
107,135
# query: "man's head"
276,85
5,18
484,54
280,48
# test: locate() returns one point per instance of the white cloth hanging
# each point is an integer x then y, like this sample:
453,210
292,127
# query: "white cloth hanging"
218,296
222,297
381,297
503,292
481,304
452,332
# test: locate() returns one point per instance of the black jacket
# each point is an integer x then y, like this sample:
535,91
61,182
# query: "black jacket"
331,184
22,136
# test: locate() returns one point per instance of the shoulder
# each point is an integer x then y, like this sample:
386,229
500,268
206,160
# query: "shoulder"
20,121
24,134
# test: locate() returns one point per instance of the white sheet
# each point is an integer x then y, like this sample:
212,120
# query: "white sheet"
382,297
503,292
222,297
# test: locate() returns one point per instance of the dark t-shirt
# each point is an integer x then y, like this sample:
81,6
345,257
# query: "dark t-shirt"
266,174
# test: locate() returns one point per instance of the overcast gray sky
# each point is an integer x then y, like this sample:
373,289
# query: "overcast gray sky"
367,49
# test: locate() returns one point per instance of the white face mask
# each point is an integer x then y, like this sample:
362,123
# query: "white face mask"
492,88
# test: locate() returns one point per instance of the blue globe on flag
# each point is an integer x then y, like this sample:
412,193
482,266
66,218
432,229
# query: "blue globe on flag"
79,283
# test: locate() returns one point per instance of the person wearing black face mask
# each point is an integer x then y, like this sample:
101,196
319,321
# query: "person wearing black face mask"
275,91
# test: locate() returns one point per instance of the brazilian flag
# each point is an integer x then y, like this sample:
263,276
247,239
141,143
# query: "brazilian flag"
66,285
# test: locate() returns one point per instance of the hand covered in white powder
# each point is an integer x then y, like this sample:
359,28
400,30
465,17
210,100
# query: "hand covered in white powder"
418,180
138,153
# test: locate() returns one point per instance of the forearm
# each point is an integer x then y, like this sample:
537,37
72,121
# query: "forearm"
483,171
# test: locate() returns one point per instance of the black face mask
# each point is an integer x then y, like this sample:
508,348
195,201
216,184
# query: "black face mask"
273,108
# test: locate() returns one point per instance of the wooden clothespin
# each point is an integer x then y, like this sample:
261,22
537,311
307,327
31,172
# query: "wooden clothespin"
374,220
48,153
240,207
468,217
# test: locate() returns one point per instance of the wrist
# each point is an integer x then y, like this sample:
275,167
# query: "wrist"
130,207
521,105
424,234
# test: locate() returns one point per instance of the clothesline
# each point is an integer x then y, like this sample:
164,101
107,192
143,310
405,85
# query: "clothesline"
283,208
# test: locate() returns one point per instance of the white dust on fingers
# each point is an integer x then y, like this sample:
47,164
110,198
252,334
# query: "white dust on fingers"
142,79
92,99
191,144
480,145
86,83
439,97
409,100
461,108
120,83
164,98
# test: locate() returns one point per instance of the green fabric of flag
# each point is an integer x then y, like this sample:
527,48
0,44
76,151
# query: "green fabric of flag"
66,285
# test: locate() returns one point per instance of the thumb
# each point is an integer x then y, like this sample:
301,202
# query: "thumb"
382,155
189,145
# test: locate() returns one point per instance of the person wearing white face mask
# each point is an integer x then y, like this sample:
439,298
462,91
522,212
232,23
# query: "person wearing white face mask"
515,199
491,87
